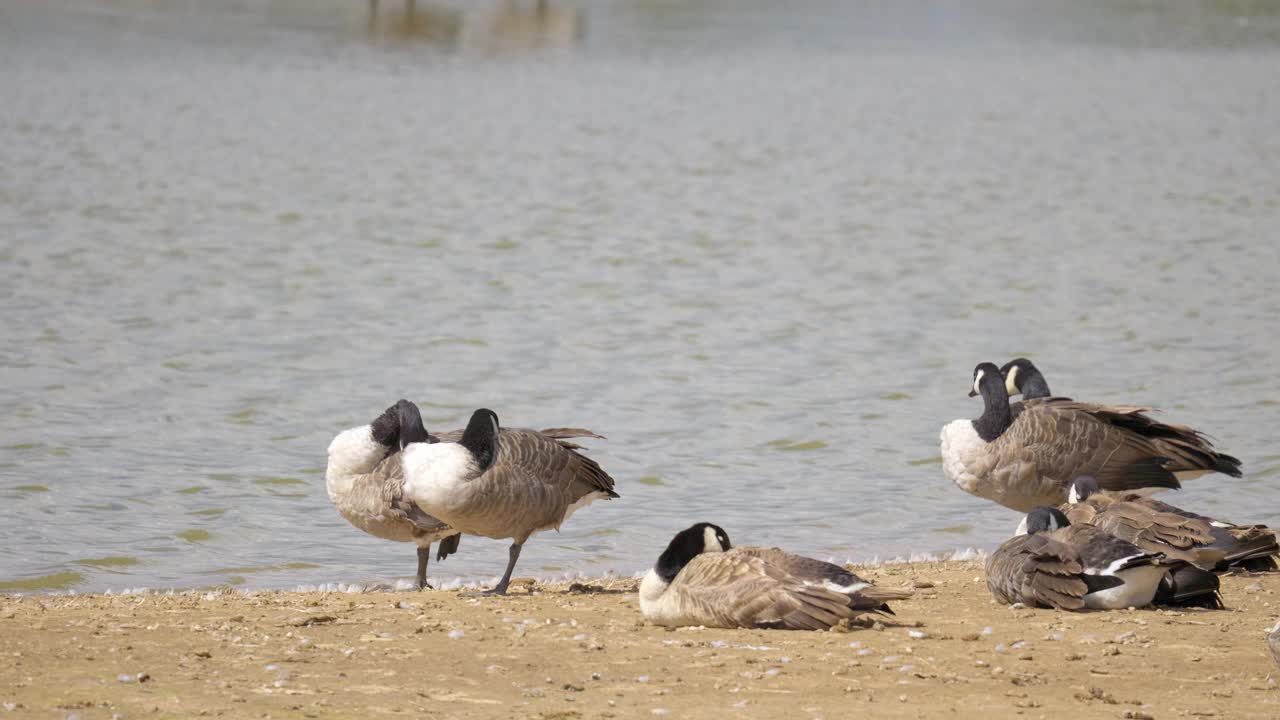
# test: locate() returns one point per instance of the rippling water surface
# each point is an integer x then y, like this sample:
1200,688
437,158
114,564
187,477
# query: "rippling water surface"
760,246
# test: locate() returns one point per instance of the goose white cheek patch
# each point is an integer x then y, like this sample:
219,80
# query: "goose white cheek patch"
1011,381
977,381
710,543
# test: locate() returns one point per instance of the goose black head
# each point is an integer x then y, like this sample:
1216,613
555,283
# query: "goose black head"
481,437
411,428
986,376
688,544
996,416
1022,376
1081,488
386,429
1045,519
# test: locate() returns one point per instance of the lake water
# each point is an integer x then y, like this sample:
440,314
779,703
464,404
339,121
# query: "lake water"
758,245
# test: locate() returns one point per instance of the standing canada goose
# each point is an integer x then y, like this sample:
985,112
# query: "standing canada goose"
365,480
507,483
1156,526
1030,460
701,579
1070,567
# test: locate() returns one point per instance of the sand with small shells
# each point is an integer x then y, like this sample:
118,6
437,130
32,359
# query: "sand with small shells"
584,652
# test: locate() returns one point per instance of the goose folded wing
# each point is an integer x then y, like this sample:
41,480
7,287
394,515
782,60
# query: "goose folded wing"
1036,571
738,590
1065,440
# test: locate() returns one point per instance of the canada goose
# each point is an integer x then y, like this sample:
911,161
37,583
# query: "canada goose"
365,480
1156,526
1070,567
1030,460
1022,376
507,483
701,579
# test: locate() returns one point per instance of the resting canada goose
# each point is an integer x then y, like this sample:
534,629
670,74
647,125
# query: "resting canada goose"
1030,460
365,480
507,483
1069,567
1156,526
700,579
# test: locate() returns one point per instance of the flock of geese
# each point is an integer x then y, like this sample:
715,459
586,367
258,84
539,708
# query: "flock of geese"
1080,473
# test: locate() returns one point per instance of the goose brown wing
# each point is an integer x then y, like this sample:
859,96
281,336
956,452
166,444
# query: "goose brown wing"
1238,543
738,589
1063,440
1179,536
1037,571
804,568
1098,548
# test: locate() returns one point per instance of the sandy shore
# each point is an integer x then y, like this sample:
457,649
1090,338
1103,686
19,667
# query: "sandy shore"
575,652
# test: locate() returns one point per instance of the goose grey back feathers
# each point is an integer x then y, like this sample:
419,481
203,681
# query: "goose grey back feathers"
1180,534
753,587
533,484
1030,460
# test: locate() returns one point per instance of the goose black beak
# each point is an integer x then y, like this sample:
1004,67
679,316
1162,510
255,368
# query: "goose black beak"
973,393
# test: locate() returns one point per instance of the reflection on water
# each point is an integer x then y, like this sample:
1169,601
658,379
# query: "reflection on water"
509,26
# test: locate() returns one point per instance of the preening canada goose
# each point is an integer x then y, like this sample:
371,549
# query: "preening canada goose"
1030,460
365,481
1156,526
500,483
1071,567
701,579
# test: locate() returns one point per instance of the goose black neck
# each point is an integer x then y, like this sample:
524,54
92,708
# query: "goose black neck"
1033,386
481,437
996,416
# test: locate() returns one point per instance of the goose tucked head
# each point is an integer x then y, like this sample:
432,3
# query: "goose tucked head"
1021,376
688,544
1045,519
1082,488
386,429
481,437
410,421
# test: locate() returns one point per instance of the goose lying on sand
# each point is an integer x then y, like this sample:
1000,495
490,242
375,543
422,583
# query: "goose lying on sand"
700,579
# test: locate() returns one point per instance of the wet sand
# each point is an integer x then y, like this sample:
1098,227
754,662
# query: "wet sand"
569,651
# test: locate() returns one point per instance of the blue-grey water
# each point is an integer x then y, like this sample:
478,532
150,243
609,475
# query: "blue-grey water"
758,245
